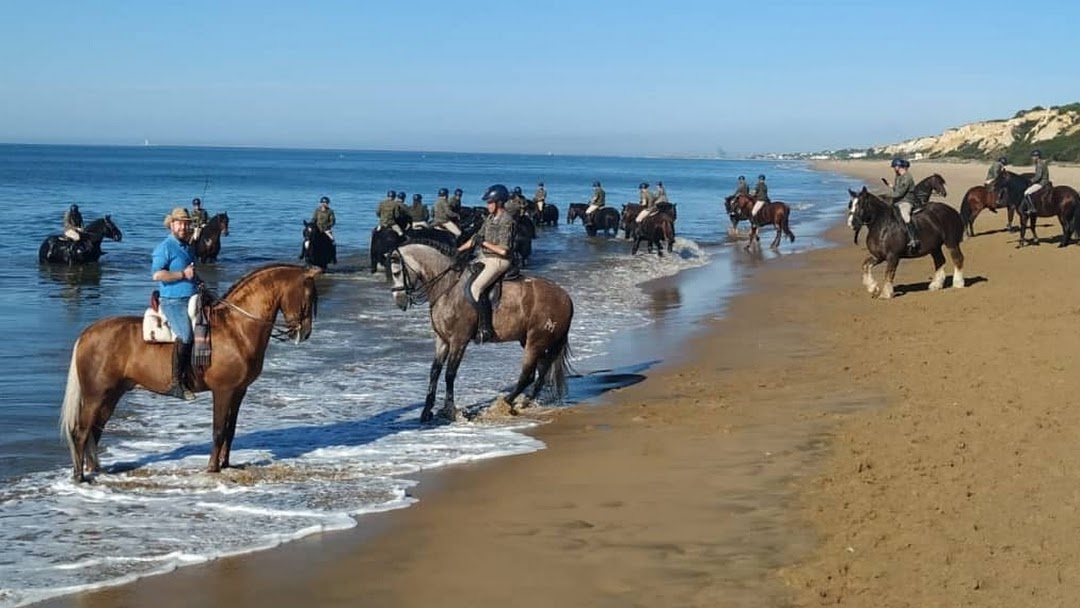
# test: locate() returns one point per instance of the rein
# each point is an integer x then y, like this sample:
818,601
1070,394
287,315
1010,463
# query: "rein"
409,289
279,333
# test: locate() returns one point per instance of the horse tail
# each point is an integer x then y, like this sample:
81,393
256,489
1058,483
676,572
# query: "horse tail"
555,379
965,211
69,413
784,224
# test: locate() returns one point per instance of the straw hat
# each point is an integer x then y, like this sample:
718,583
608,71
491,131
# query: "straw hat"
178,214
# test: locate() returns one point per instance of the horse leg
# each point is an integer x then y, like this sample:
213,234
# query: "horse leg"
633,250
939,269
528,373
868,276
1066,231
776,240
890,273
223,404
958,266
442,349
753,236
230,428
449,410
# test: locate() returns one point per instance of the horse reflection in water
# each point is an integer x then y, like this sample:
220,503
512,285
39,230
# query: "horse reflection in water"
110,358
938,225
532,311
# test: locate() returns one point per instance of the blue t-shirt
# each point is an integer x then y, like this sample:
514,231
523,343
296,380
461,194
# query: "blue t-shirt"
174,256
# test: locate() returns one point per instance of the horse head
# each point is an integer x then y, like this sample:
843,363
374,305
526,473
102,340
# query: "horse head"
223,221
111,230
415,267
864,208
300,306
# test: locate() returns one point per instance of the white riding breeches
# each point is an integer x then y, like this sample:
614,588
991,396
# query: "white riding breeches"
905,211
591,209
416,225
1032,189
72,234
450,227
644,213
757,207
494,267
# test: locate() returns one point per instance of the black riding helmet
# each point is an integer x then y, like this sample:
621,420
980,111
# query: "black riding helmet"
390,194
400,196
643,185
444,192
1003,160
196,201
596,184
325,199
517,189
761,177
417,198
496,193
73,207
458,191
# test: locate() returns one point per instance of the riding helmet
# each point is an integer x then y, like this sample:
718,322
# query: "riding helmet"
444,192
761,177
458,191
196,201
517,189
401,195
1036,153
907,164
74,207
390,194
417,198
643,185
540,184
897,162
742,178
1003,160
496,193
325,199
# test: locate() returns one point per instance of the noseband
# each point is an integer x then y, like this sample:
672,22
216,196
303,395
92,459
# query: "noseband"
281,332
417,294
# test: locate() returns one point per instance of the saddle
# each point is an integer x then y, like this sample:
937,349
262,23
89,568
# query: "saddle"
495,290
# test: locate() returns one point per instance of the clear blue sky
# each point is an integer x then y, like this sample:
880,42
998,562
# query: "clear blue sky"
624,77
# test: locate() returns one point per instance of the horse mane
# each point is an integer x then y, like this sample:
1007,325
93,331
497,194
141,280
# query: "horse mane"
447,250
244,280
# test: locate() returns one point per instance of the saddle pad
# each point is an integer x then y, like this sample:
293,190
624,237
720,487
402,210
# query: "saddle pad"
155,328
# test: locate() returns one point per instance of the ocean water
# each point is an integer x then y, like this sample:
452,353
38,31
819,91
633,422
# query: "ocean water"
330,430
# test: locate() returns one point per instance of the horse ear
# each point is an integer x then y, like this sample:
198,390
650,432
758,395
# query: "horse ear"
864,190
852,193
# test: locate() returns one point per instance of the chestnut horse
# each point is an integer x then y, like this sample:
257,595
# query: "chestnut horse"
110,358
1055,201
775,213
533,312
937,225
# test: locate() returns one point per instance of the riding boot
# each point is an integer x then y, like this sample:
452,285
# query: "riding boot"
913,237
1028,207
485,331
180,359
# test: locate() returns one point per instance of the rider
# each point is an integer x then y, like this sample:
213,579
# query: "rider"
516,204
540,198
761,197
1040,180
646,200
903,197
419,213
495,239
599,198
741,187
446,217
173,267
455,200
996,169
323,217
199,218
390,209
73,223
661,193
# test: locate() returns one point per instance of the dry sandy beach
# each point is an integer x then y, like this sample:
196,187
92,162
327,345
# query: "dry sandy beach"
814,447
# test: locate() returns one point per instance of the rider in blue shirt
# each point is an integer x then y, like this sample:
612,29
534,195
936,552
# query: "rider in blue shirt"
173,266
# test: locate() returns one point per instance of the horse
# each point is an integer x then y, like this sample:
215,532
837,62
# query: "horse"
208,246
775,213
57,249
937,225
1054,201
933,184
385,240
533,311
548,216
110,358
653,230
574,211
630,212
319,250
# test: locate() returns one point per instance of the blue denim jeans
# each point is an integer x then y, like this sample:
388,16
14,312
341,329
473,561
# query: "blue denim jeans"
175,310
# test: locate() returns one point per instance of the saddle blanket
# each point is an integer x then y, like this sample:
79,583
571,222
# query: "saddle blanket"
155,326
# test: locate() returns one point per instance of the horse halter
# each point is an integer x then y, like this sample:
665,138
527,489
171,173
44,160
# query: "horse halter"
416,294
283,332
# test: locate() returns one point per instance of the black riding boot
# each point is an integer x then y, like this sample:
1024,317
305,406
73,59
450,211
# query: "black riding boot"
1028,206
913,236
485,332
180,360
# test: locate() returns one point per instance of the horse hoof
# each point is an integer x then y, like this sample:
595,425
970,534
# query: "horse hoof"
427,417
449,414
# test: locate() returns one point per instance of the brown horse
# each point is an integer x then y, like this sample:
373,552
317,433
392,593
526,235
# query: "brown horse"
975,200
532,311
937,225
654,230
1055,201
775,213
110,358
932,184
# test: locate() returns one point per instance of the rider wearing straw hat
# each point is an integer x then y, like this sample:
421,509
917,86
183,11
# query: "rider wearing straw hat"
173,267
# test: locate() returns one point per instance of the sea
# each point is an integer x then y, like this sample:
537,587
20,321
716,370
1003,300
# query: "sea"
330,431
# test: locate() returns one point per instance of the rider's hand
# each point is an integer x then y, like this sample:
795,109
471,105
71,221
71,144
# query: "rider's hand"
189,272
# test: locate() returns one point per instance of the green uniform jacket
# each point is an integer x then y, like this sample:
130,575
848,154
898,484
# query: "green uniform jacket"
324,218
994,170
455,203
903,189
443,212
645,198
497,230
389,210
661,195
199,218
514,207
742,188
761,192
540,196
599,197
419,212
1042,174
72,221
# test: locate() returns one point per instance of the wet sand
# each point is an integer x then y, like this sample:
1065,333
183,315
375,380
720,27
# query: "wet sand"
815,446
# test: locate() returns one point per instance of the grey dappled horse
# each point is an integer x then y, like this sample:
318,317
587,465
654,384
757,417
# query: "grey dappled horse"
532,311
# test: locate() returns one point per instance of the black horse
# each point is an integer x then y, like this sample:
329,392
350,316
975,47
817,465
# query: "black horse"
57,249
208,245
1061,202
937,225
385,240
548,216
655,229
630,212
934,184
319,249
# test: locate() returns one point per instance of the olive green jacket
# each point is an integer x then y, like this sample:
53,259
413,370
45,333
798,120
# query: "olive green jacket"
324,218
443,212
903,189
599,197
389,210
1042,174
761,192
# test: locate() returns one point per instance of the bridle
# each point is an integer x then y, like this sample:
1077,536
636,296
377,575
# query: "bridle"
283,332
416,294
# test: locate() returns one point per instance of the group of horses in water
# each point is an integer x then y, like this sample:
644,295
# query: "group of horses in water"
940,226
59,249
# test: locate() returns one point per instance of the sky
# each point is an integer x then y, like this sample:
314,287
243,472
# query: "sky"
587,77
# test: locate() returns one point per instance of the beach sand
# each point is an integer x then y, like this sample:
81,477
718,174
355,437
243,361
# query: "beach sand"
814,447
